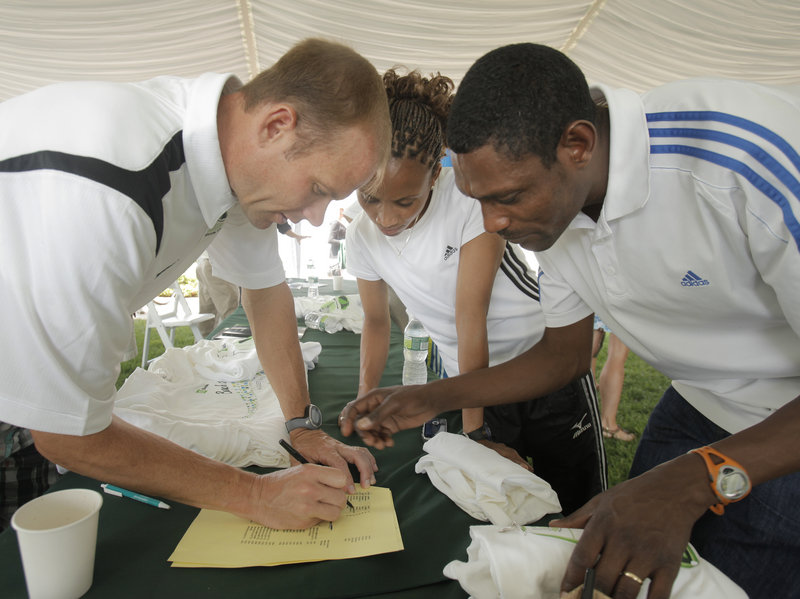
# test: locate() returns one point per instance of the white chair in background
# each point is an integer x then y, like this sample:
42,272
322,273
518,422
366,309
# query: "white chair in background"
177,313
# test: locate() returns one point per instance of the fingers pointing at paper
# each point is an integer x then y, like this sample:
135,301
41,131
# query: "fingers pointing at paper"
380,413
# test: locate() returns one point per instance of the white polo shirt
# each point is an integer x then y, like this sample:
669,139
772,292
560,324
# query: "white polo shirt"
109,192
695,260
423,270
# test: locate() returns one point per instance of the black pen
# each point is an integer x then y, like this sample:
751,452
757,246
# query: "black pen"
588,584
300,458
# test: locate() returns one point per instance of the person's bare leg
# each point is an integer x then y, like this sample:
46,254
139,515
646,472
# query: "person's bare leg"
597,343
610,385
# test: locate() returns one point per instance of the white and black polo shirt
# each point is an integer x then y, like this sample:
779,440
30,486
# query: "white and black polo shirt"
109,191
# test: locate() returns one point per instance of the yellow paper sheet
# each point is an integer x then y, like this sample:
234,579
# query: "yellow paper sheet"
222,540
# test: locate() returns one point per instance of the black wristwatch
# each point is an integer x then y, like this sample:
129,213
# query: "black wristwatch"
480,434
311,419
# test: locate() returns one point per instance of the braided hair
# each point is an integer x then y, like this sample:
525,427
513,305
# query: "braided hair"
418,107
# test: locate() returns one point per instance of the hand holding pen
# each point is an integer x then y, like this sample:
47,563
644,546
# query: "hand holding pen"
300,458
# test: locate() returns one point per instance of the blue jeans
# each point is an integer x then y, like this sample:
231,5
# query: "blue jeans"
757,541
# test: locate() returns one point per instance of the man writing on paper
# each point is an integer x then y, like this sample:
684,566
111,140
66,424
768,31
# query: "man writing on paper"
674,217
110,191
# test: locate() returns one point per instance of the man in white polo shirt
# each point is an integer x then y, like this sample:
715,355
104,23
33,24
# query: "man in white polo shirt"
674,217
109,192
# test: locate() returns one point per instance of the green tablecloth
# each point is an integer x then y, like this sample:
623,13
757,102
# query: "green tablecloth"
135,540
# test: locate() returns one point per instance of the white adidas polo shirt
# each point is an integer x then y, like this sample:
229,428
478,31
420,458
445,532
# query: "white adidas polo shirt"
422,268
109,192
695,260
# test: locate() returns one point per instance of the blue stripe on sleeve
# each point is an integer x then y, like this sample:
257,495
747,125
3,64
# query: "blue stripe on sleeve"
739,167
757,152
736,121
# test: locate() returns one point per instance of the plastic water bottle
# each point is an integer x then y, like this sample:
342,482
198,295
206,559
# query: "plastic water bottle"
324,321
415,352
316,320
313,279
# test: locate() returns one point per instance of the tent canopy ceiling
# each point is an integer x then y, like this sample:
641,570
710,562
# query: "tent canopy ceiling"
630,43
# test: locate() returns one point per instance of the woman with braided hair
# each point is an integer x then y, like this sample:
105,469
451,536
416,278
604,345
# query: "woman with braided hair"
472,291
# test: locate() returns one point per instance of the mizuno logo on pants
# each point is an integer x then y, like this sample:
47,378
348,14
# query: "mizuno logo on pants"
580,427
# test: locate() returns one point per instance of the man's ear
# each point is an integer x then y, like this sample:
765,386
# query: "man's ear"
275,121
578,142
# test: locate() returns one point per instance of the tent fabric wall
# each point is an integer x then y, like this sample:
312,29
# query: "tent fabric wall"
632,43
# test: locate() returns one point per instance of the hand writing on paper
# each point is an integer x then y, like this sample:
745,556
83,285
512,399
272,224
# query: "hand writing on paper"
299,497
317,446
217,539
640,526
380,413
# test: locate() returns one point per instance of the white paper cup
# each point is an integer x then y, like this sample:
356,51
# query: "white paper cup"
57,535
337,282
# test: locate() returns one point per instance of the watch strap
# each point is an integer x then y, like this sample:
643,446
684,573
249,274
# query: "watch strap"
715,460
480,434
303,421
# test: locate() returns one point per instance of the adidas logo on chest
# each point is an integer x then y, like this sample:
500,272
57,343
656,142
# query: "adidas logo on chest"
691,279
449,251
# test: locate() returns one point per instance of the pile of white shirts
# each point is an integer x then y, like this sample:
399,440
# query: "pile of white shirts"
213,398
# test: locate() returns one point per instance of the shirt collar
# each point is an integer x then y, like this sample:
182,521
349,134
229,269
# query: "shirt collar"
201,145
629,153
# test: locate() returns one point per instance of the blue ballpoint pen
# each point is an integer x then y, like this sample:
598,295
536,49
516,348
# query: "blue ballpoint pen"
120,492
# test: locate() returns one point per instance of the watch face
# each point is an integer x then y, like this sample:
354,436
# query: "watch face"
315,416
311,419
732,482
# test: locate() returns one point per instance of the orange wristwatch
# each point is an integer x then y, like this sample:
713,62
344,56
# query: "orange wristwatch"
729,480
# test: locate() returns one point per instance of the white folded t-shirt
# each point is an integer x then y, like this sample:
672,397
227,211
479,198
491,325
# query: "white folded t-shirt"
484,484
520,563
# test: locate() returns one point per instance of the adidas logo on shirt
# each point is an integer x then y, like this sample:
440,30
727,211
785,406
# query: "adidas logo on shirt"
690,279
449,251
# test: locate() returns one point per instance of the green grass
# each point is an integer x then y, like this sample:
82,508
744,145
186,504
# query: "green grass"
183,336
641,391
